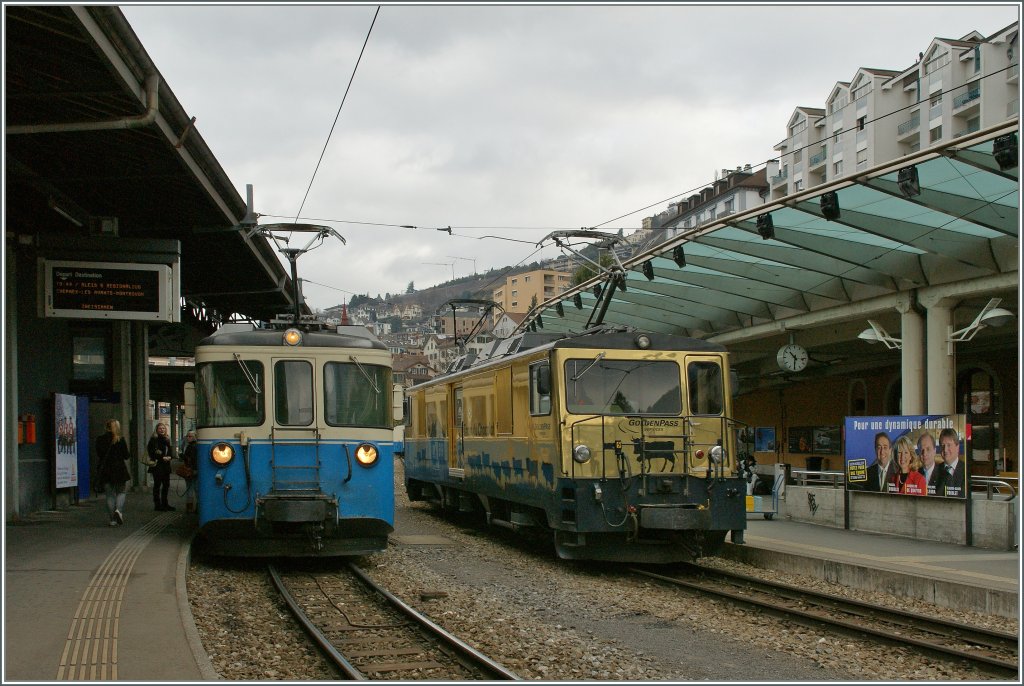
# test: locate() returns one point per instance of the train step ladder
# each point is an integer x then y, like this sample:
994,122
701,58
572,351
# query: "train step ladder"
295,460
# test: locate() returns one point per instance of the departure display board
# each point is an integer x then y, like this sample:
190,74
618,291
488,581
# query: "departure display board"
104,290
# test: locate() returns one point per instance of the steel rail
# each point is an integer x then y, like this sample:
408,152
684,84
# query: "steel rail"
948,630
324,643
477,660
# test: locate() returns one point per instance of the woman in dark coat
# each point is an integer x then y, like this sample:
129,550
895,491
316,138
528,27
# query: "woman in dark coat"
160,456
112,450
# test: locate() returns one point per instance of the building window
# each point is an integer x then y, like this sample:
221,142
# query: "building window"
862,159
861,121
798,185
935,134
837,168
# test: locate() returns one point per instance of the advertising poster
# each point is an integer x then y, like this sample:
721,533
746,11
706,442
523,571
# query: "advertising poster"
919,455
66,438
764,439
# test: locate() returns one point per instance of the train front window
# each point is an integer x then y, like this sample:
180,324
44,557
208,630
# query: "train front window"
293,392
603,386
228,394
357,395
705,382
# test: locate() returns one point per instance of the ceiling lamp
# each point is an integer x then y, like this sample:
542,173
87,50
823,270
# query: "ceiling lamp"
678,256
765,226
908,182
648,270
830,206
990,315
875,333
1004,149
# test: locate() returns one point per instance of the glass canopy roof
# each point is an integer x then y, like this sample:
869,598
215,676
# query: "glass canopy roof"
962,224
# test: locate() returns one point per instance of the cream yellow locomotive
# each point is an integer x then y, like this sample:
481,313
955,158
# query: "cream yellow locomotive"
617,444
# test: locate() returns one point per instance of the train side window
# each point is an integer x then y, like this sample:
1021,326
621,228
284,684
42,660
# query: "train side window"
706,388
540,388
293,392
225,395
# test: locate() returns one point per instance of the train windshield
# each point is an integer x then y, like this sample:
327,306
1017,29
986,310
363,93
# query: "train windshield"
226,393
603,386
357,395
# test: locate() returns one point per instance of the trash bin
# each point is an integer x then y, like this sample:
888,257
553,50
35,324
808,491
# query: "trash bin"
814,463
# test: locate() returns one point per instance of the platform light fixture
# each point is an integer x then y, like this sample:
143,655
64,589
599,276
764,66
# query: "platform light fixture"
559,310
679,256
648,270
830,206
540,322
1005,150
597,290
875,334
765,226
577,300
908,182
990,315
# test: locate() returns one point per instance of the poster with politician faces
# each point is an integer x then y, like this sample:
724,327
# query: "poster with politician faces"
914,455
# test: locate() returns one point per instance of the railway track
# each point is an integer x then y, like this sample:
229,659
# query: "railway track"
993,652
368,633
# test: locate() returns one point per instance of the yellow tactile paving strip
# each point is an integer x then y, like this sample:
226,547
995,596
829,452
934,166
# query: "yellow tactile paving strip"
90,652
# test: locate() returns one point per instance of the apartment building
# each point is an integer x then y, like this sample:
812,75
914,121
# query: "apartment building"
526,289
954,88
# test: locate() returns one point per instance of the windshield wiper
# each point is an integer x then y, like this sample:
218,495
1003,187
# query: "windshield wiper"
373,384
248,375
600,356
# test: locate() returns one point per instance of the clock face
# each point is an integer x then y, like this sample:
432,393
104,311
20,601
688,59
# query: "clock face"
792,358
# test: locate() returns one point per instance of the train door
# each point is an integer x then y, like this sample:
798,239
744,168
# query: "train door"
294,433
456,444
705,400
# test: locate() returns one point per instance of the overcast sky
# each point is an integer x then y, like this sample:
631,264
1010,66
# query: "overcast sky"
504,121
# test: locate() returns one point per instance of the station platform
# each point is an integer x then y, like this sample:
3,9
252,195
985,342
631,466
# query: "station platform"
956,576
84,601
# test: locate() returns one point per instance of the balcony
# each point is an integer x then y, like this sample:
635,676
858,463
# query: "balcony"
817,159
971,128
780,178
964,99
909,126
1013,74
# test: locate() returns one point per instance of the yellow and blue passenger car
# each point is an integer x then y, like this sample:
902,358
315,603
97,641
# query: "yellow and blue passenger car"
618,444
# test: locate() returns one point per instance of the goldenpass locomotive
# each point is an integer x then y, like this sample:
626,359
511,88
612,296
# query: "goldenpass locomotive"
296,444
618,444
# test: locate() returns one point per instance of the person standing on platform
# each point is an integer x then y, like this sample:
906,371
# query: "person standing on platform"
907,479
880,474
955,479
190,458
113,473
160,456
933,473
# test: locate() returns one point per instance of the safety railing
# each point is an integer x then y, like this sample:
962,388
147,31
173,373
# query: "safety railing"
995,487
810,477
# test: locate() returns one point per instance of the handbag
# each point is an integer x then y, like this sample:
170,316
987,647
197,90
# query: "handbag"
184,471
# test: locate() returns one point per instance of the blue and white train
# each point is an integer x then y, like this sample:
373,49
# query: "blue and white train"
296,443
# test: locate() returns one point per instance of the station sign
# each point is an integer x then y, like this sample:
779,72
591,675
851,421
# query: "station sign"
107,290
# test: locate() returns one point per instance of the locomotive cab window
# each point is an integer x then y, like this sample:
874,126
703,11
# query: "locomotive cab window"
706,389
229,393
357,394
540,388
293,392
602,386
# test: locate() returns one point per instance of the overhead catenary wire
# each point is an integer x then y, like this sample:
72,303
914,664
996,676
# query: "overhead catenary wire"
337,115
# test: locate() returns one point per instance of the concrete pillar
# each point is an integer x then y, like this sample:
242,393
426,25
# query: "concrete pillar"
141,421
12,482
941,362
913,355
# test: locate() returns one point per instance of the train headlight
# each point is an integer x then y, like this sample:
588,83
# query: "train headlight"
292,337
716,454
581,454
643,341
366,454
222,453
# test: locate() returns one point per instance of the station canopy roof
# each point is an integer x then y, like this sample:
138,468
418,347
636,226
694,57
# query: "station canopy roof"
962,225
